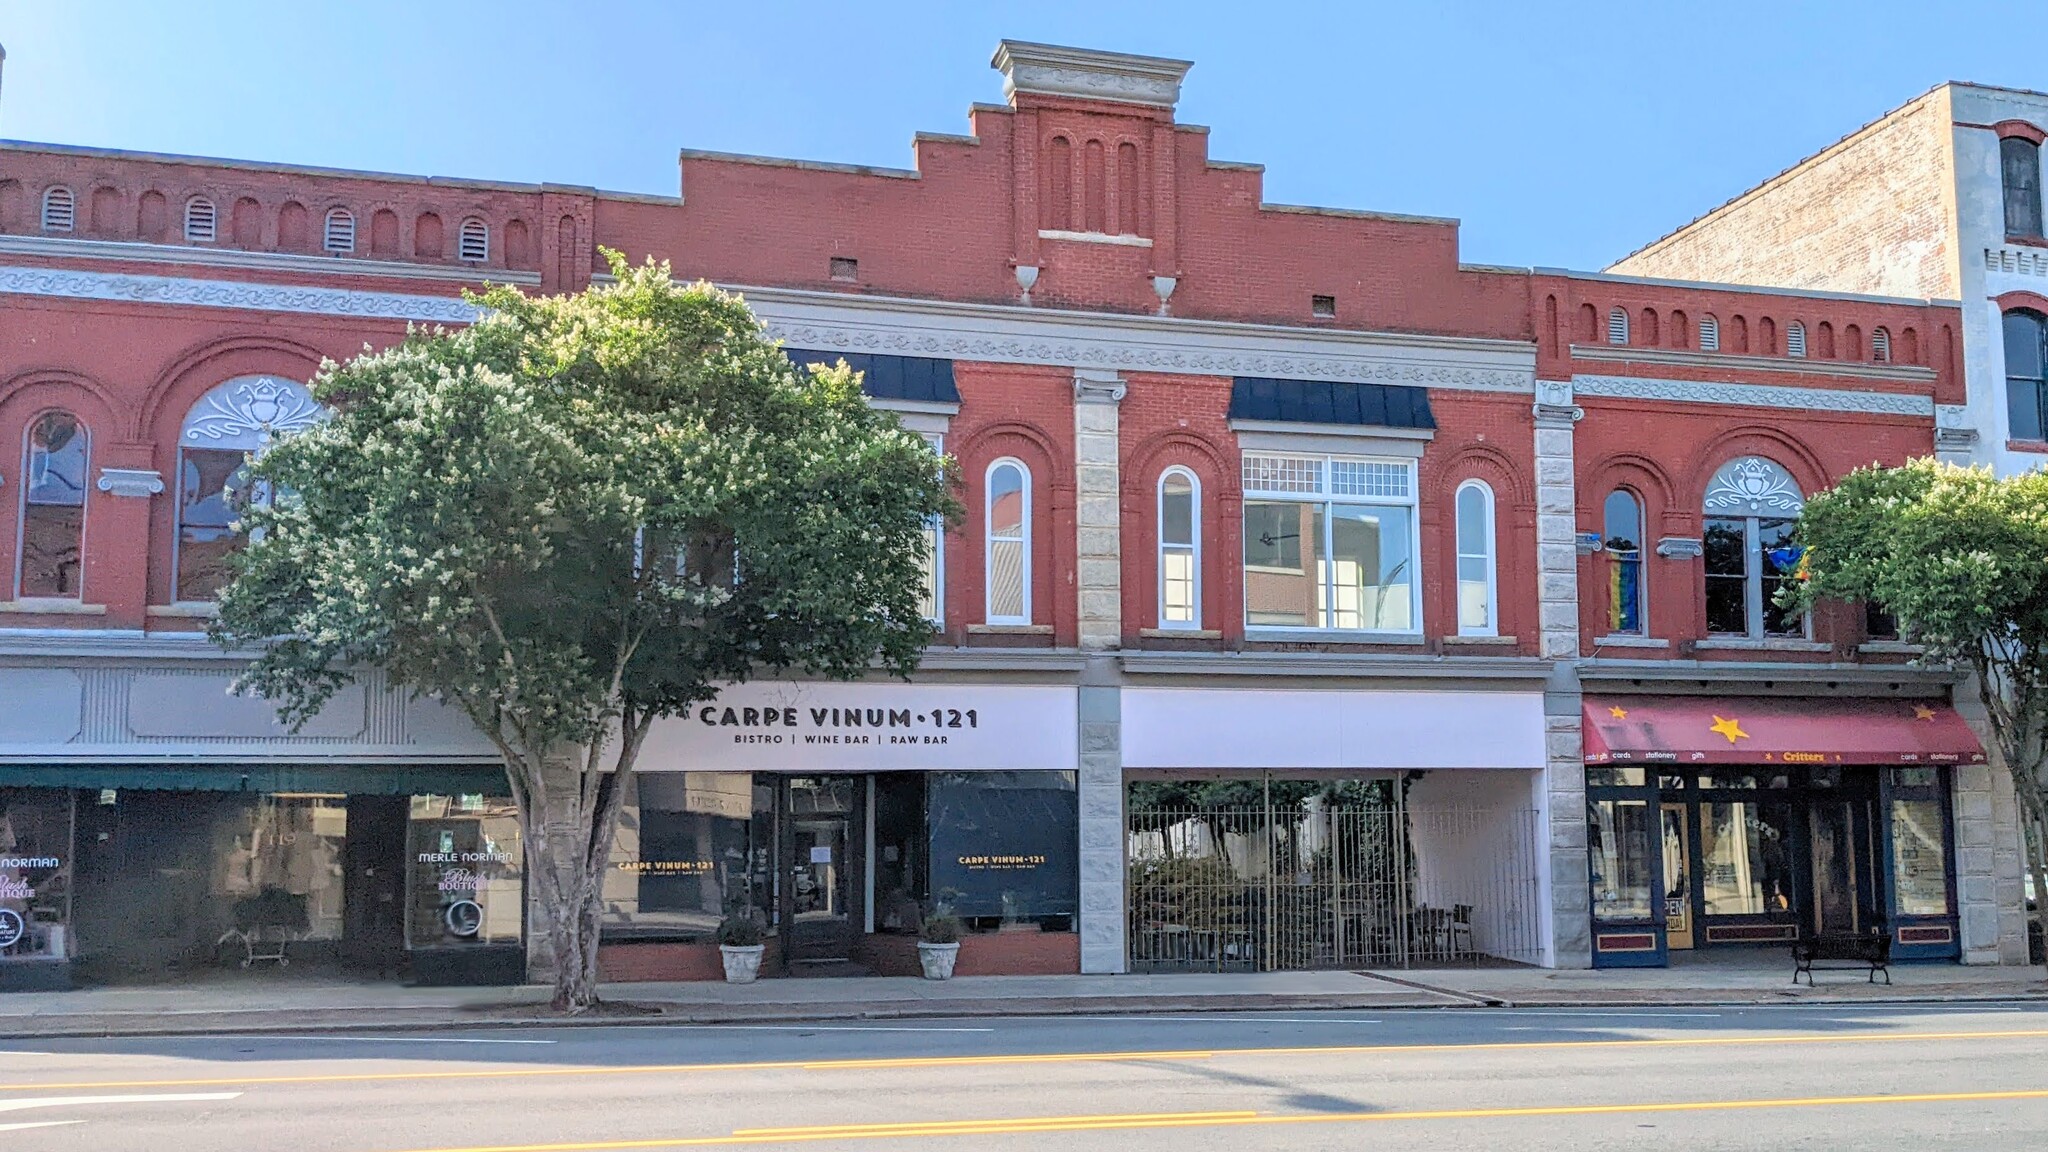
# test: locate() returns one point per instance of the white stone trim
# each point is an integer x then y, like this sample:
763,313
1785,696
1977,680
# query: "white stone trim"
1126,239
64,283
1738,361
141,253
1344,440
130,481
1005,333
1752,395
1051,70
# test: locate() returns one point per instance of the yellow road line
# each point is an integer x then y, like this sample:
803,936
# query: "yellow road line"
1026,1125
886,1063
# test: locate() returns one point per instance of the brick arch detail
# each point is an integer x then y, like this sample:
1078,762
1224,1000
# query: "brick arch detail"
1218,523
41,389
1755,440
200,368
2021,129
1476,461
2034,301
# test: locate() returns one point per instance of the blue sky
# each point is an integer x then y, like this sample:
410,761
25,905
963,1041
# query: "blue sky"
1562,135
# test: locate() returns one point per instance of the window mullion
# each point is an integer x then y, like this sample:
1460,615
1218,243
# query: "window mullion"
1753,578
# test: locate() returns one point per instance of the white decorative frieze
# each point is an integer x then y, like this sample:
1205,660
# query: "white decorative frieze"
1749,485
250,411
130,481
179,290
1752,395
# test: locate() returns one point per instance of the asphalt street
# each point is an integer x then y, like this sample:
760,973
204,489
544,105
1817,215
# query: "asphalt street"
1965,1076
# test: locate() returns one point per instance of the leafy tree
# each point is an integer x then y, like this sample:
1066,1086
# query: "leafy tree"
1960,558
576,517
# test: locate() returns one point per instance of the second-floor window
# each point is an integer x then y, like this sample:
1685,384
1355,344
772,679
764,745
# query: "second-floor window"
1621,538
51,560
1751,507
1008,530
227,428
2026,373
2019,170
1180,550
1477,614
1330,543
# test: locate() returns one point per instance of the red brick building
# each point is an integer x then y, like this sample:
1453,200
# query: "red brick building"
1255,492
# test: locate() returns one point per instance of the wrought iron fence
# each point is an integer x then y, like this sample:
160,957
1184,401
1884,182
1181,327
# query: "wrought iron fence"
1319,884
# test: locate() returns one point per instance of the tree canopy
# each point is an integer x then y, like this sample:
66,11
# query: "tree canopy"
576,516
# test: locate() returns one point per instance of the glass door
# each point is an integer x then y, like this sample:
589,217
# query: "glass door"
1841,846
1677,881
1624,848
825,876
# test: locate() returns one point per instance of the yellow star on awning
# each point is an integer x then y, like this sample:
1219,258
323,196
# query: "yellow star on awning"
1732,729
1922,712
1618,712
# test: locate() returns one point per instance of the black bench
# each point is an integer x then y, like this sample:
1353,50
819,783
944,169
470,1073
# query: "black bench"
1843,951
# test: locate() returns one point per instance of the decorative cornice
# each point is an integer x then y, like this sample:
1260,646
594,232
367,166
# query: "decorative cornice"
1738,362
1003,333
1335,665
130,481
1051,70
177,290
1753,395
1554,407
195,256
1097,386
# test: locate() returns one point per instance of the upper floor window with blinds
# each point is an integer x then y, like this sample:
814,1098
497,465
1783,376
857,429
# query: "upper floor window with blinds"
200,220
1710,334
60,209
2019,169
473,242
341,231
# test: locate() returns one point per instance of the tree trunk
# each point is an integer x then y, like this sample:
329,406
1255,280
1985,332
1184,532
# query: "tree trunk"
568,850
2034,843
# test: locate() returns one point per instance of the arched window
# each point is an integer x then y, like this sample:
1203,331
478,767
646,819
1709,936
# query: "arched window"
1751,507
1477,611
1795,339
1622,539
473,242
2026,372
60,209
227,428
1881,345
2019,169
1710,333
51,556
1180,549
340,236
200,220
1617,326
1008,532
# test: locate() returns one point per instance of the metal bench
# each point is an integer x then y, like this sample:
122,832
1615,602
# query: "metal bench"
1843,951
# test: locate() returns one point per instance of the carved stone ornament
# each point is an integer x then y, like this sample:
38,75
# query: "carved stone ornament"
250,411
1027,278
1751,486
1163,287
1097,386
59,282
1681,548
130,481
1050,70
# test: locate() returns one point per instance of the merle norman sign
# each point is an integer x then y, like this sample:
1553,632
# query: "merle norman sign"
808,726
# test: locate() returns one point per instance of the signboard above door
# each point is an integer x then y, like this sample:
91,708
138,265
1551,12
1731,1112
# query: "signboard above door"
814,726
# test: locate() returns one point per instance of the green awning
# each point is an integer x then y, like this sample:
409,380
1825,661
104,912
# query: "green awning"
351,779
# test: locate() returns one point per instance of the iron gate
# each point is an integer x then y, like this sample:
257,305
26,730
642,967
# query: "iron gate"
1326,882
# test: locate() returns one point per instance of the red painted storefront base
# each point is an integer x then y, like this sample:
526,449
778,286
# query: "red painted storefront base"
990,954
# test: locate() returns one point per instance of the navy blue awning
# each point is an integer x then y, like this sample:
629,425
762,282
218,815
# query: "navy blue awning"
890,377
1330,402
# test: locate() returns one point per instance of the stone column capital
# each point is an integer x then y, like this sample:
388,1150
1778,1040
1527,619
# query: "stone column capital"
1098,386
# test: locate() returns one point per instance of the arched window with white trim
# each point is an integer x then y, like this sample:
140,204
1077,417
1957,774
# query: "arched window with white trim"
50,559
227,428
1180,549
1478,610
1007,533
1751,508
1621,537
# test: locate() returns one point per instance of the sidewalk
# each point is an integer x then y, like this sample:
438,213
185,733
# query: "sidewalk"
242,1002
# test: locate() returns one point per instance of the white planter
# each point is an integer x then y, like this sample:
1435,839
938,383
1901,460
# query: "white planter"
938,959
742,962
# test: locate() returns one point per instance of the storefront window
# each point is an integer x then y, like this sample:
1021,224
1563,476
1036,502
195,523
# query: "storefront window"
35,874
1743,859
1003,845
1608,776
467,871
1919,856
690,847
1618,834
902,878
278,862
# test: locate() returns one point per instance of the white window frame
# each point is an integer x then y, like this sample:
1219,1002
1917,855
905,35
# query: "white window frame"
989,539
1193,547
936,525
1324,497
225,419
1491,627
22,505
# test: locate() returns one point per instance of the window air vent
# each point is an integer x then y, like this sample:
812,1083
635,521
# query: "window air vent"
60,211
199,220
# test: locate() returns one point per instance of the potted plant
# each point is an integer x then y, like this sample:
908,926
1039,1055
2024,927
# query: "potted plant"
739,944
938,946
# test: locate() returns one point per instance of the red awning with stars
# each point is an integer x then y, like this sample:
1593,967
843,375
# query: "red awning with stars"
1775,730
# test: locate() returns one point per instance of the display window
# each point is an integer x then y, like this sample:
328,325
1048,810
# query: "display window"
690,847
35,874
466,872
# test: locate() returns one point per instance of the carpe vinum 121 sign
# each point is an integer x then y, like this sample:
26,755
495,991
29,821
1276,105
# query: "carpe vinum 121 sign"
809,727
